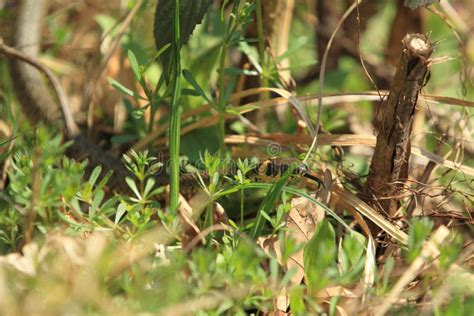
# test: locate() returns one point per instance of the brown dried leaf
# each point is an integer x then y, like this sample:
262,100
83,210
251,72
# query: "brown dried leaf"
339,291
23,263
282,302
305,215
189,229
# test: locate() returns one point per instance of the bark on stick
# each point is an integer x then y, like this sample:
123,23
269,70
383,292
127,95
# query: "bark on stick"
389,167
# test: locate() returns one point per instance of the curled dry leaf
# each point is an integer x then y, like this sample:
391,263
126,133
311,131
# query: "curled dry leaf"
303,216
23,263
75,251
348,298
282,302
198,204
336,291
189,229
220,215
192,210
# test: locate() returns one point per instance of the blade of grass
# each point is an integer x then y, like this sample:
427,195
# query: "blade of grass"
269,203
353,201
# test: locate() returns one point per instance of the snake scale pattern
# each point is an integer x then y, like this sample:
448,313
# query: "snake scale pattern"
40,105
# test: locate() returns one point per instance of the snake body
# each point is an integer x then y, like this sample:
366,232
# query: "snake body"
41,106
36,98
31,89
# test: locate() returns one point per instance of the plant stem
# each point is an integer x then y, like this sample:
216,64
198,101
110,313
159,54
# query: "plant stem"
222,101
154,101
242,207
175,119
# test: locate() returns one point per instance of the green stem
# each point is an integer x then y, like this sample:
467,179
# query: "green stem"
208,220
242,208
154,101
222,101
175,119
221,131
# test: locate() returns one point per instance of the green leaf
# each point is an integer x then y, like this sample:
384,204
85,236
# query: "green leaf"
94,175
157,55
75,205
244,108
297,301
252,54
132,59
268,218
449,252
269,202
232,71
150,183
190,78
319,256
96,202
191,13
120,87
190,92
133,186
352,251
121,209
417,234
109,206
104,180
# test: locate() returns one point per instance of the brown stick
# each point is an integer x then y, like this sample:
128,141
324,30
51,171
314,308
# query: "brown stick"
389,167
